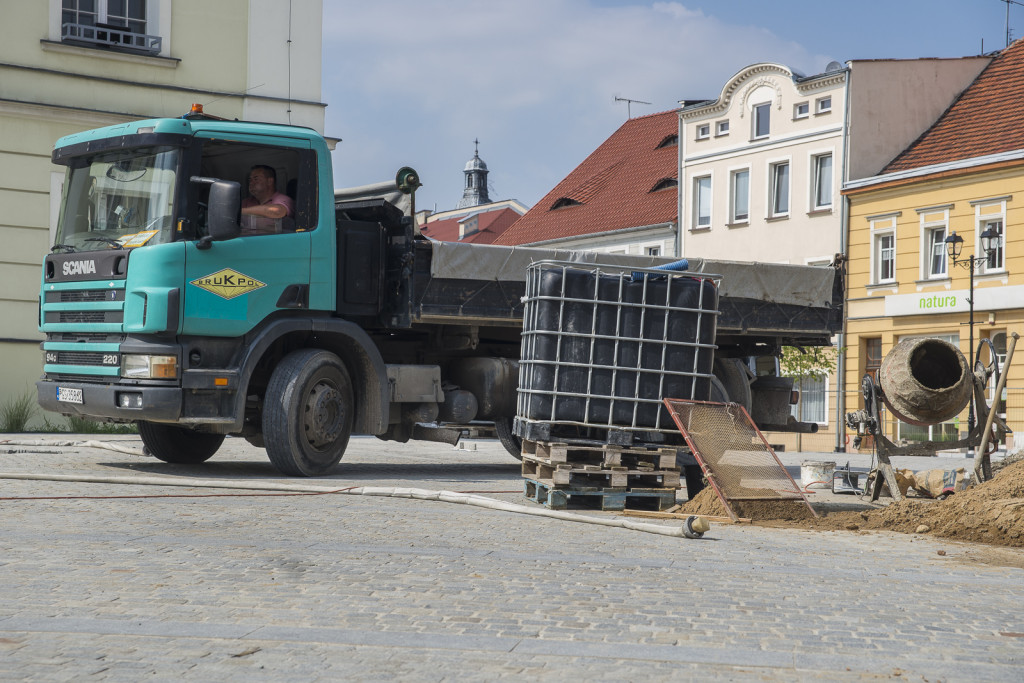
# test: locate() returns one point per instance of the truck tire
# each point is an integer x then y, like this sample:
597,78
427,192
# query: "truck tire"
307,413
512,443
735,379
178,445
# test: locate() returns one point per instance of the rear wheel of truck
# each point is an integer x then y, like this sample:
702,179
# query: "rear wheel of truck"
512,443
307,413
178,445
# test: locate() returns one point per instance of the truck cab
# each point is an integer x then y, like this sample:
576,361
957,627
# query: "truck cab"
160,303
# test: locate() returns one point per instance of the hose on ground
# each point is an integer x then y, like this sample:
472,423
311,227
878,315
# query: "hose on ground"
105,445
692,527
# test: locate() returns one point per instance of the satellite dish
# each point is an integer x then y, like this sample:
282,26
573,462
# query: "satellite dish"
833,66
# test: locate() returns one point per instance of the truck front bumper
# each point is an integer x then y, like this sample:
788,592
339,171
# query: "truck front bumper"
104,401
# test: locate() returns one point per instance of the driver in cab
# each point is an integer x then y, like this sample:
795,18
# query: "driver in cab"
264,208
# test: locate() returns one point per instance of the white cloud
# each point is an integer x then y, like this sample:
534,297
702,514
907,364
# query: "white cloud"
533,79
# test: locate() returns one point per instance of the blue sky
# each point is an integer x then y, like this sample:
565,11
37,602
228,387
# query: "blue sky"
413,84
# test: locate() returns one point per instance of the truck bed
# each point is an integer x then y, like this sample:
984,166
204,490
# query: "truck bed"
759,302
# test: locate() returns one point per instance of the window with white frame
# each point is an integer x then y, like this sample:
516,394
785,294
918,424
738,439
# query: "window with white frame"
779,189
801,110
739,191
761,120
813,401
884,254
723,127
996,258
822,190
703,131
653,251
823,105
702,202
934,250
112,24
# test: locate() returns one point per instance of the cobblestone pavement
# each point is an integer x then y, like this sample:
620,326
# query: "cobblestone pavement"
167,585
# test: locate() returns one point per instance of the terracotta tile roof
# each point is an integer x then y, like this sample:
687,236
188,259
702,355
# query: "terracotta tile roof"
987,118
611,189
490,226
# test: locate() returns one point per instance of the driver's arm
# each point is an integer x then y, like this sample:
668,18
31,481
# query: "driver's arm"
266,211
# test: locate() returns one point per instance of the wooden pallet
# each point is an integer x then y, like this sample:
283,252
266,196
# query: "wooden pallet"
593,498
604,455
570,475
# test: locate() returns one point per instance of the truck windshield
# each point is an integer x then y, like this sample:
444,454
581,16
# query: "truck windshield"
119,199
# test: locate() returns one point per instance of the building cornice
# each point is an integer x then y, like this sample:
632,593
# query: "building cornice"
983,163
159,86
760,72
66,114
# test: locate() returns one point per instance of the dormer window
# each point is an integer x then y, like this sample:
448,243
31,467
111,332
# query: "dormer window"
669,141
563,202
761,120
665,184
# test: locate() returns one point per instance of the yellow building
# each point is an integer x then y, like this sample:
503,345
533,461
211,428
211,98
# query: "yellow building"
71,65
965,175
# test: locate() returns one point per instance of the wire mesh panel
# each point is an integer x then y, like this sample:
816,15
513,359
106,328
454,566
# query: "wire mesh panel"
602,346
735,457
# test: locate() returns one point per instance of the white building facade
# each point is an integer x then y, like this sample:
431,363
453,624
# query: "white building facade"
762,165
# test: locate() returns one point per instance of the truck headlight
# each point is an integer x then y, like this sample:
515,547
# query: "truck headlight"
149,367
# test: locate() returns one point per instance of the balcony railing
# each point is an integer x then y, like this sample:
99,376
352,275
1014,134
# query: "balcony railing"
112,36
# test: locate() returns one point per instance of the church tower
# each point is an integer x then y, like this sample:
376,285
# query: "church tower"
475,192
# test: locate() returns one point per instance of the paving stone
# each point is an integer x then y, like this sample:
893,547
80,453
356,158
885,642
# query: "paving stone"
300,588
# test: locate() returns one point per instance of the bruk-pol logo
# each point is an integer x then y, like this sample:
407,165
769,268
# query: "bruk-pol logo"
228,283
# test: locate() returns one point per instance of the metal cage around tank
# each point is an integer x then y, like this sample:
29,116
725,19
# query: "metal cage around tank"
602,345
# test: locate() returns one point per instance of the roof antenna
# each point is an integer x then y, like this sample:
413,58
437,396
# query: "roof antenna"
1008,3
629,103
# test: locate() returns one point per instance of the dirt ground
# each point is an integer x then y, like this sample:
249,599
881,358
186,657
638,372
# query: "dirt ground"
990,513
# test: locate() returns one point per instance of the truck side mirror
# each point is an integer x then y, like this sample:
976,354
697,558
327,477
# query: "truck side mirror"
223,210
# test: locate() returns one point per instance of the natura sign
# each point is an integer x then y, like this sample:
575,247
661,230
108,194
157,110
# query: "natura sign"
954,301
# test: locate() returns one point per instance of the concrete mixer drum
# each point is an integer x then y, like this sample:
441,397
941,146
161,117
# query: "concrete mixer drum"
925,381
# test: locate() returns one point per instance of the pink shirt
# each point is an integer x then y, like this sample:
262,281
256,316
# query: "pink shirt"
258,225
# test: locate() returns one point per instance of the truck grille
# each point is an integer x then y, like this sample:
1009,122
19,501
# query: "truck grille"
84,296
84,316
96,337
65,377
85,358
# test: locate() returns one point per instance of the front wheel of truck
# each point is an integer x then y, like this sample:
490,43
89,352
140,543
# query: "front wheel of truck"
307,413
178,445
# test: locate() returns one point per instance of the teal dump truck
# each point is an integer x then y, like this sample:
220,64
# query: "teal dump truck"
163,306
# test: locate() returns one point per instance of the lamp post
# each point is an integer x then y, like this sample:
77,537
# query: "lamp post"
954,245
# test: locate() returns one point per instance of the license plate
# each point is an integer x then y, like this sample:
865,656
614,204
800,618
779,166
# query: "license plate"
69,395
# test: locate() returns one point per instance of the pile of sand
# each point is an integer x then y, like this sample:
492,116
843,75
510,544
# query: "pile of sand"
992,512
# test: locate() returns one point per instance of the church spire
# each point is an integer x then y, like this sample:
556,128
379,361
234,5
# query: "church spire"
475,192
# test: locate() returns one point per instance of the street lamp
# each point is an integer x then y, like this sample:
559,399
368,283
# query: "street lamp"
954,245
